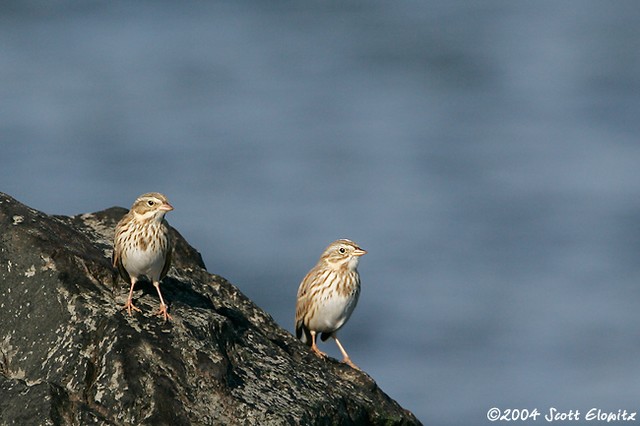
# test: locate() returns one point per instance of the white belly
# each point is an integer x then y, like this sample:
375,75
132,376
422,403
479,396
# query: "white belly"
144,262
333,313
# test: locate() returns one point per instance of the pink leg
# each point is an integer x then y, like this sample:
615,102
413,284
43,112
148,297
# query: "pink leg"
314,348
129,305
346,358
163,307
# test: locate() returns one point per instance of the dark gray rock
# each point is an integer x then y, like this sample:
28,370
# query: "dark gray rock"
70,355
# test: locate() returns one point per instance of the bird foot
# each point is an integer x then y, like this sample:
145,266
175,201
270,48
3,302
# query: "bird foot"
129,307
348,361
318,352
164,312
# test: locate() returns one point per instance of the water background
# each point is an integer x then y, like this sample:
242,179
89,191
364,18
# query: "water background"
486,154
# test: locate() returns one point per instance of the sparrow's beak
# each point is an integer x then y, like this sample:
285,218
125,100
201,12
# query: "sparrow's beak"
359,252
166,207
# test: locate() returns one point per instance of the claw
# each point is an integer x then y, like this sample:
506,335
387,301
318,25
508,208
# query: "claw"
164,312
318,352
130,306
351,364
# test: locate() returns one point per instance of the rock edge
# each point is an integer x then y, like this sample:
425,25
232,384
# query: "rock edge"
70,355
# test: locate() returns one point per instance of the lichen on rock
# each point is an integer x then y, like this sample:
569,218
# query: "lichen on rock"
70,355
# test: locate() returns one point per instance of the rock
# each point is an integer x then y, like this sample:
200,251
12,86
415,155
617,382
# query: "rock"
70,355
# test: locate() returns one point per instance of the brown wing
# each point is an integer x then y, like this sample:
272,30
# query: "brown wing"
115,258
303,305
117,263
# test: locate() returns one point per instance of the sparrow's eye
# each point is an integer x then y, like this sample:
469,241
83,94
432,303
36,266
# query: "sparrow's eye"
342,250
150,203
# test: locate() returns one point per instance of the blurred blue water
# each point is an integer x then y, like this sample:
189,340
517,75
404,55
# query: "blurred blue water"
484,153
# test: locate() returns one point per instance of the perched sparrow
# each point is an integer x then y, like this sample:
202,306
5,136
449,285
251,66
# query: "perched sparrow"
142,246
328,295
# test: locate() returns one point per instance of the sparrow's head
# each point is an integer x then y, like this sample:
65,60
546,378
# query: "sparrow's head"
151,205
342,254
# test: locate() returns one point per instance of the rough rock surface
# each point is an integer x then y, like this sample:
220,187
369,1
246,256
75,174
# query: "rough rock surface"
70,355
